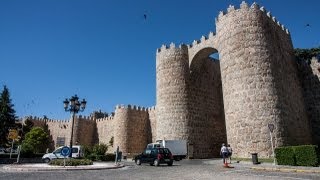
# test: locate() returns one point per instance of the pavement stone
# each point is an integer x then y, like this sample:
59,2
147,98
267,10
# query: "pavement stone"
267,166
112,165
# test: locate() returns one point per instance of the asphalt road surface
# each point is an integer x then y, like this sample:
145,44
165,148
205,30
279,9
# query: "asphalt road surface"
185,169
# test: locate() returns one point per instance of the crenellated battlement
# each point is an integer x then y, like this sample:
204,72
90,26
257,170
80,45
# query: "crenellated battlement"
131,107
151,109
86,118
202,40
107,118
254,7
41,119
172,46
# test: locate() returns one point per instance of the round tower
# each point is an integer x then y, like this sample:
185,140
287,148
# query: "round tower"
259,82
172,104
121,125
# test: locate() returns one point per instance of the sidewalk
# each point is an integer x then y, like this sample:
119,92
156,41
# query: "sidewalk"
46,167
282,168
268,166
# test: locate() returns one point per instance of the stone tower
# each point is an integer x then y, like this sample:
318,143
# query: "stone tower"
260,86
260,82
132,129
172,93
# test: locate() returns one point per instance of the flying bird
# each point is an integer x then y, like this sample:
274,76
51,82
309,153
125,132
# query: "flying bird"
308,25
145,16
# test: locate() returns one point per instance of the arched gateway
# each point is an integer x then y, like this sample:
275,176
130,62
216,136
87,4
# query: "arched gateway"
208,102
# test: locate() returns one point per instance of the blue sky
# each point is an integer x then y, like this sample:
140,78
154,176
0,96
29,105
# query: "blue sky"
104,51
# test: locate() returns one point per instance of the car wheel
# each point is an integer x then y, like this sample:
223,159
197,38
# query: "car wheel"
46,160
156,162
151,164
170,163
138,162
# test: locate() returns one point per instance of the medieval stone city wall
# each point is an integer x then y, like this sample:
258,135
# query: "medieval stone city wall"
105,131
57,128
310,77
153,123
207,102
84,130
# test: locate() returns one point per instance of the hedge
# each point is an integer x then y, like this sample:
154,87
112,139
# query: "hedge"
285,156
107,157
70,162
305,155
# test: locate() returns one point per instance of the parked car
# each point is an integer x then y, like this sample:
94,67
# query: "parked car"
77,152
155,156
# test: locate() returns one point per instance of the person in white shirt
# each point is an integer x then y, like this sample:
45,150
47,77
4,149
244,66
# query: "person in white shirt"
224,153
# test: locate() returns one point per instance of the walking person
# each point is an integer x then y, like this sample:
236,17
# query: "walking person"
229,153
224,153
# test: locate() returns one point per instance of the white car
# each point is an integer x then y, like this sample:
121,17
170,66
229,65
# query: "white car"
56,154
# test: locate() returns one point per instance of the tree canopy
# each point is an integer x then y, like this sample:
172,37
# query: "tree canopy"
7,115
37,140
307,54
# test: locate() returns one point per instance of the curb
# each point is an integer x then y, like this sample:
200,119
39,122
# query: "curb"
286,170
67,168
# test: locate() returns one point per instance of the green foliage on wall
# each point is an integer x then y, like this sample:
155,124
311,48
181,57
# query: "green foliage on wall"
307,54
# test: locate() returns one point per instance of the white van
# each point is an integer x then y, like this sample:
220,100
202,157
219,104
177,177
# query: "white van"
56,154
178,148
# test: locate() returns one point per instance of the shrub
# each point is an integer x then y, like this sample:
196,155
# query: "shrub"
87,150
98,153
36,140
92,157
100,149
285,156
70,162
110,157
306,155
107,157
27,150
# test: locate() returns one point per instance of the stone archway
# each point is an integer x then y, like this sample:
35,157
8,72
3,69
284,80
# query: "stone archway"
206,104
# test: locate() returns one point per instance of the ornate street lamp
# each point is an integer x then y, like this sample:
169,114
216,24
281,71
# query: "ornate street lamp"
74,106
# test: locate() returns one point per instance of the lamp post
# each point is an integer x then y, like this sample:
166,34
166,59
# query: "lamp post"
271,128
73,106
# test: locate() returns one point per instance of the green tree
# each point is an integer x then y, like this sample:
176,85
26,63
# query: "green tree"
24,127
307,54
27,126
37,141
100,149
7,115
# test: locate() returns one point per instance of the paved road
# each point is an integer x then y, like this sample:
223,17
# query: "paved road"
186,169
